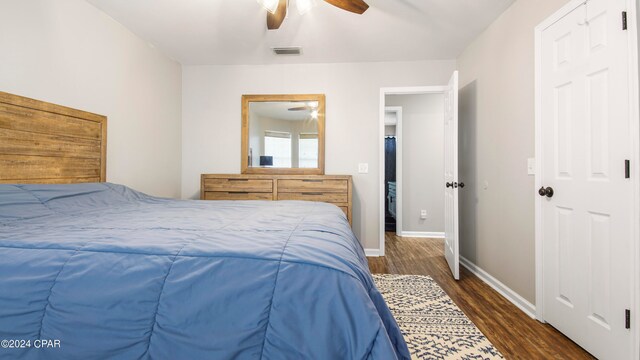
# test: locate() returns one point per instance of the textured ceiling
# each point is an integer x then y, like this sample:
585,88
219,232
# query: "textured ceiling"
216,32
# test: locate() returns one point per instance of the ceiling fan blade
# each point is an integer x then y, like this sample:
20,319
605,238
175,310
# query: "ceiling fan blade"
355,6
275,20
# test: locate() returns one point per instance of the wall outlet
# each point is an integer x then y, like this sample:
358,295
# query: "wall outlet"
423,214
363,168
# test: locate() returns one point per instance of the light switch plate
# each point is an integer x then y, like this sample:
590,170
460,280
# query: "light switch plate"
363,168
531,166
423,214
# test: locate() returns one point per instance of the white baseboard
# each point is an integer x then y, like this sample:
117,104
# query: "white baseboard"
372,252
422,234
517,300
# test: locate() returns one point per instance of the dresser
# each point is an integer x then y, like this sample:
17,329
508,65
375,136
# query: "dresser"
334,189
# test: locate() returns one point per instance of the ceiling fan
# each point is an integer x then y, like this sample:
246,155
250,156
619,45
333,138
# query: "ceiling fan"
306,107
277,9
312,108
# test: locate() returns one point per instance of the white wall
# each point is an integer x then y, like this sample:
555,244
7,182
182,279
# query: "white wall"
70,53
211,119
390,130
496,138
422,160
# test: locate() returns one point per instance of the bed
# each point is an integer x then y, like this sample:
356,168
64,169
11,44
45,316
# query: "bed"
98,270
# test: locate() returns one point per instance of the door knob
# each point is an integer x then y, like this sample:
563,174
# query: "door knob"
461,185
548,192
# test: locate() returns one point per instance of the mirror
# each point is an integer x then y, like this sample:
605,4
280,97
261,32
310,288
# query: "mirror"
283,134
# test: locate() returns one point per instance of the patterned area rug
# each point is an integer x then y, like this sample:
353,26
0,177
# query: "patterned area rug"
432,325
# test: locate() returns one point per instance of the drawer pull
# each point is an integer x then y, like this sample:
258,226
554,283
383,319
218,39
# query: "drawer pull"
238,192
312,193
237,179
313,181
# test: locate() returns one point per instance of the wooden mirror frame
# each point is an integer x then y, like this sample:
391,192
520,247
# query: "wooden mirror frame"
246,99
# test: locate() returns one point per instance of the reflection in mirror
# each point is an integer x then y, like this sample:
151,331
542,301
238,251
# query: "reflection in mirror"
283,134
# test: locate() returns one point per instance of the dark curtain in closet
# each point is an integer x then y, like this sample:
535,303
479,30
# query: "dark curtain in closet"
389,164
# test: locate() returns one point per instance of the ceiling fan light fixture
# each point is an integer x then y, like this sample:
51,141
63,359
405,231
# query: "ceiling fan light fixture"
304,6
270,5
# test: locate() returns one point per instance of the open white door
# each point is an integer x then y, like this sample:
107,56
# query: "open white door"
451,246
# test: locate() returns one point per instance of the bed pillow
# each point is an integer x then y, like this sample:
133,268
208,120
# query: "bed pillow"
17,203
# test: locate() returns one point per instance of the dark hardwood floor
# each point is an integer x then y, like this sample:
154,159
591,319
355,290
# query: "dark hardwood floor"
515,334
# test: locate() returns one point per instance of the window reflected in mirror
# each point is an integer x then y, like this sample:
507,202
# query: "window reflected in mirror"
277,149
308,150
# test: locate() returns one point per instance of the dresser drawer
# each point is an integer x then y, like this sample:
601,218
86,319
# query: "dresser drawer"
237,195
314,196
312,185
334,189
243,185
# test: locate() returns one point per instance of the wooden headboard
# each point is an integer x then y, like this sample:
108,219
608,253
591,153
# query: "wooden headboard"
44,143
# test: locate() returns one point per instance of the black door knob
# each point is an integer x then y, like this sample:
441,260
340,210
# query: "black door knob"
461,185
548,192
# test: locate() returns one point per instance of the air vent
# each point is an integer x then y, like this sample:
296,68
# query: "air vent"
290,50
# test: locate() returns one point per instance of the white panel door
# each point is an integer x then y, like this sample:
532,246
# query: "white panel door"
451,234
587,221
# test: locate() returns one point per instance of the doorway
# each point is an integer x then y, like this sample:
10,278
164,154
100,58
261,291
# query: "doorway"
426,206
393,169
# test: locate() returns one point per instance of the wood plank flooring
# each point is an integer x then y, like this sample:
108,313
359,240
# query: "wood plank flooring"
515,334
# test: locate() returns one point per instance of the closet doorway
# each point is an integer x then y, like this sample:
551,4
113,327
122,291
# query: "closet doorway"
425,144
393,169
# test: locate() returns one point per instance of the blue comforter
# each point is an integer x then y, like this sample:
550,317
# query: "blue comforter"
101,271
